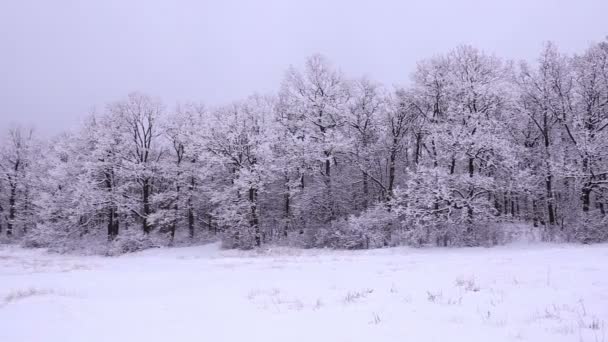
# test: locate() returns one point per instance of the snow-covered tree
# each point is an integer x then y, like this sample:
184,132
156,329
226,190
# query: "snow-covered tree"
314,104
139,120
183,170
473,143
240,140
19,156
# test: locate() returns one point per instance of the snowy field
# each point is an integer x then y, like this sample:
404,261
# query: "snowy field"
514,293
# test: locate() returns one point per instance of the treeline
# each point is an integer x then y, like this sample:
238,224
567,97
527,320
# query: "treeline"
473,144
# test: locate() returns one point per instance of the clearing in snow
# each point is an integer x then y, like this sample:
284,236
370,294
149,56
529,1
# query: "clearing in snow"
513,293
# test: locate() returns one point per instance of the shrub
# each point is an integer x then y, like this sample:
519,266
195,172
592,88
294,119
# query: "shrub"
371,229
129,241
47,236
239,238
590,228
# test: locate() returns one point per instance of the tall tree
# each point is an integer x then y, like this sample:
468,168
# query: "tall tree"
241,140
315,102
17,167
139,120
545,94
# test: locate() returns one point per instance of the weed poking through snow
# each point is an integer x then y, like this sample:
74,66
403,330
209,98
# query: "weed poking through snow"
352,297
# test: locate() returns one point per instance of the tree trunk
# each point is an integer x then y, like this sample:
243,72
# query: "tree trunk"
191,210
190,220
26,210
328,186
391,168
586,197
146,205
112,223
365,190
112,210
469,217
471,166
174,223
453,166
549,176
534,216
469,206
287,209
175,211
512,205
586,190
210,226
497,205
254,216
418,146
549,186
11,209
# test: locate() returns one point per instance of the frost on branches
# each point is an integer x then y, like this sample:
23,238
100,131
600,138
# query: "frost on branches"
474,146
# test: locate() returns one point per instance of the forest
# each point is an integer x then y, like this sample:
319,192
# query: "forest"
470,145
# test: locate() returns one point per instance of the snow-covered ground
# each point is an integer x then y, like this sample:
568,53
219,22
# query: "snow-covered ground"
514,293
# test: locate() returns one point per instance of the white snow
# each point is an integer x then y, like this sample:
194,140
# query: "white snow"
514,293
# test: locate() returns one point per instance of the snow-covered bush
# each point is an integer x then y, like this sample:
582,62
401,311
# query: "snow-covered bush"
590,229
425,233
61,239
45,236
239,238
371,229
65,240
131,240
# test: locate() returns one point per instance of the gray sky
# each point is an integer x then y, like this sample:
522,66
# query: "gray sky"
60,58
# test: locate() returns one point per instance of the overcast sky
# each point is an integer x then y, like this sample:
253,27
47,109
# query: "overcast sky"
60,58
